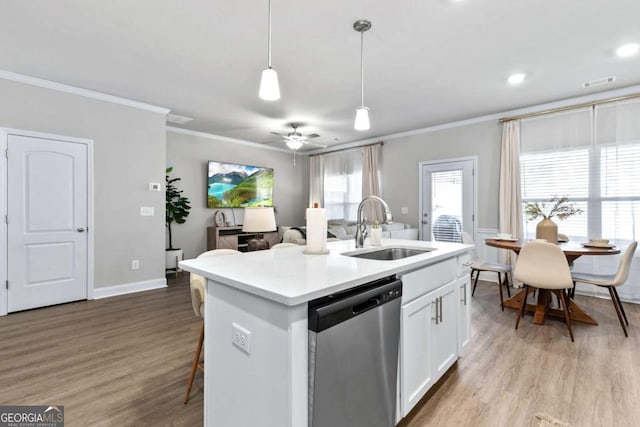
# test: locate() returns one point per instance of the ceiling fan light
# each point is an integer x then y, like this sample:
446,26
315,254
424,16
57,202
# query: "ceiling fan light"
294,144
269,87
362,118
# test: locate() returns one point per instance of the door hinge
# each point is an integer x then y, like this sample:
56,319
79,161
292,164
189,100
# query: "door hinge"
6,219
6,284
6,153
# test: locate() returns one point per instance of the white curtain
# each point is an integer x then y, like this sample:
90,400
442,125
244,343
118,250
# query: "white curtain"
342,184
591,156
371,181
616,196
316,181
510,204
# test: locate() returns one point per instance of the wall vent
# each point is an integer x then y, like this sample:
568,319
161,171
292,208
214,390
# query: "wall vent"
599,82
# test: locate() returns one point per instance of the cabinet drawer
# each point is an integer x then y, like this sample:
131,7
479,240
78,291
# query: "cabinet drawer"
464,261
421,281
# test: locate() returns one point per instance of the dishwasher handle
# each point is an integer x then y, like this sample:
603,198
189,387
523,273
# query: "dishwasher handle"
329,311
367,305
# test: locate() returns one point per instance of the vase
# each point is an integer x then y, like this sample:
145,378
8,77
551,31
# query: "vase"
547,230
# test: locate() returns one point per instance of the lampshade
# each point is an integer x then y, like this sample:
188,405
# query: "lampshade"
269,87
362,118
294,144
259,220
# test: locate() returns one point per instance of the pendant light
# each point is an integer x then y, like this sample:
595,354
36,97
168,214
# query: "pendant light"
269,87
362,113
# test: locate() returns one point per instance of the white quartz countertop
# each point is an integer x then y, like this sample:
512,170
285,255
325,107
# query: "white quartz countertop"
291,277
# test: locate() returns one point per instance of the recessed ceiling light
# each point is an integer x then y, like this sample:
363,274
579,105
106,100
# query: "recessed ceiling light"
516,79
627,49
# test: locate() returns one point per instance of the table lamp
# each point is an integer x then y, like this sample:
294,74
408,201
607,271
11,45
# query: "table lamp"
258,220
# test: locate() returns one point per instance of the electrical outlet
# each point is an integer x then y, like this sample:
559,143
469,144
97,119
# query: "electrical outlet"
135,264
241,338
147,211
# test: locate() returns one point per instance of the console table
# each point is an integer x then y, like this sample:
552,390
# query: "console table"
234,238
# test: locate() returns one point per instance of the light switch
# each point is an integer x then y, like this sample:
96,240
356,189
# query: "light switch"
146,211
404,210
155,186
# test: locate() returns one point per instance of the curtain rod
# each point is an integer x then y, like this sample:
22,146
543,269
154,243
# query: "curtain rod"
569,107
346,149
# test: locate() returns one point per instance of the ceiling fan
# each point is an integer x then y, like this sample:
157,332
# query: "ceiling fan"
295,140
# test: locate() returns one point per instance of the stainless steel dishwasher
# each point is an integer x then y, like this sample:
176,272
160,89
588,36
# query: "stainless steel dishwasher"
353,356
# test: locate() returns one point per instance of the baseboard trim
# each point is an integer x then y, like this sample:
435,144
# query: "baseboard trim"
129,288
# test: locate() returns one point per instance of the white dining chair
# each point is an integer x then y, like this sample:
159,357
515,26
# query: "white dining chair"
611,281
543,265
196,283
478,266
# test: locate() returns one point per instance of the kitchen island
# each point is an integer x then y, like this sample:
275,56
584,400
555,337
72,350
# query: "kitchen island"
259,299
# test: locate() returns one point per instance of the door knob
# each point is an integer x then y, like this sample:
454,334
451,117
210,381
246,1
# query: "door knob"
81,230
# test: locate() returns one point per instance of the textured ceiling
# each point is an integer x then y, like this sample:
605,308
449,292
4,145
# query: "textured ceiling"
427,62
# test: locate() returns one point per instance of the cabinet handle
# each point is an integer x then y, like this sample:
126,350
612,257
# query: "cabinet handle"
440,299
435,302
464,293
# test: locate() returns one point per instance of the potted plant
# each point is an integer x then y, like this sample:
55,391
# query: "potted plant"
177,211
557,206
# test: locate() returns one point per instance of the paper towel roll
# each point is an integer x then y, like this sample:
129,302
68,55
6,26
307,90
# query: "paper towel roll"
316,230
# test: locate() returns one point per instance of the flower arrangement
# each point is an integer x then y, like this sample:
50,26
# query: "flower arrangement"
558,206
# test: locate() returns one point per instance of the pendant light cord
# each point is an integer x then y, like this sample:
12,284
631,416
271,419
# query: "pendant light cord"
361,67
269,38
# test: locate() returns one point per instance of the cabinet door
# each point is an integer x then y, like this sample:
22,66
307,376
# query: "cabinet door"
415,352
444,331
464,312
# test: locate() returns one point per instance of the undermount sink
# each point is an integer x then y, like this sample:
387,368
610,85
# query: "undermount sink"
389,253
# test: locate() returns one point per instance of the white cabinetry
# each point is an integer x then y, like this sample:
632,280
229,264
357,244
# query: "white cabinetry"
444,329
429,329
415,361
464,297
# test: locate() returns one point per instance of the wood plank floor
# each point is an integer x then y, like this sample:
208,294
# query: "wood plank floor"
124,361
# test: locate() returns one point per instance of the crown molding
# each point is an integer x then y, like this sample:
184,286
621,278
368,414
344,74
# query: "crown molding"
227,139
87,93
525,110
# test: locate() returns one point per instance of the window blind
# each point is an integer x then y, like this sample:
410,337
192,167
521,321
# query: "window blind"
446,205
592,156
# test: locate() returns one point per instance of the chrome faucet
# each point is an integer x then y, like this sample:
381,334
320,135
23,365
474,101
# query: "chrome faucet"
361,227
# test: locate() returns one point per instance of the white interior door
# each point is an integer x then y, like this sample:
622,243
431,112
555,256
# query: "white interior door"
47,206
448,200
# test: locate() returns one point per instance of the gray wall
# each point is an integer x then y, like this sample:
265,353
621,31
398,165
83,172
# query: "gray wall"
129,152
188,154
401,158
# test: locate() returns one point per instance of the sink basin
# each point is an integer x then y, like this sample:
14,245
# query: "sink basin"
389,253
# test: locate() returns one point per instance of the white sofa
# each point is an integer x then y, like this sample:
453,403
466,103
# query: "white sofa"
347,231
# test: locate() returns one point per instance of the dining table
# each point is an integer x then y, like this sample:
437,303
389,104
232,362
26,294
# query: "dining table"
542,309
